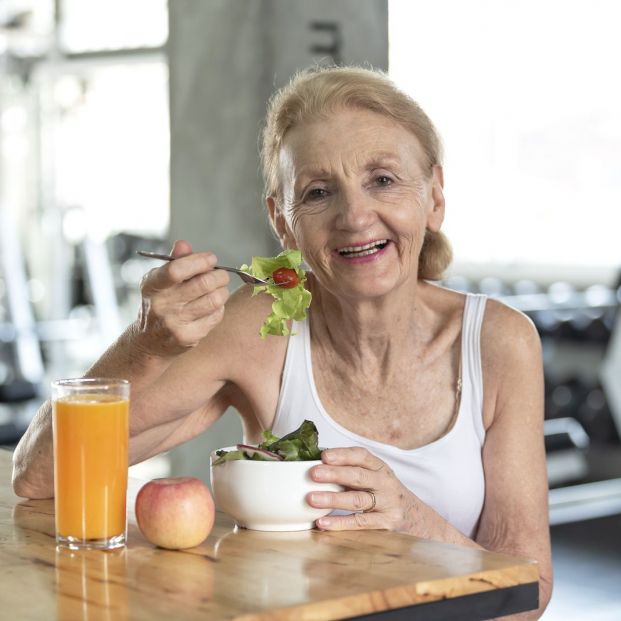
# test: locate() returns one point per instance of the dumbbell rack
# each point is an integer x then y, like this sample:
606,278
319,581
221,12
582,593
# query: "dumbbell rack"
20,330
20,353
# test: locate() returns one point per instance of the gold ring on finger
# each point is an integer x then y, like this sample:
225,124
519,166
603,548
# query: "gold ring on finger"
373,501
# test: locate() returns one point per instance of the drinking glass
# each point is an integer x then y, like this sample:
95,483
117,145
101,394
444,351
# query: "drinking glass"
91,586
90,419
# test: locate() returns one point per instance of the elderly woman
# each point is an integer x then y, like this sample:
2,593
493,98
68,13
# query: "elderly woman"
430,401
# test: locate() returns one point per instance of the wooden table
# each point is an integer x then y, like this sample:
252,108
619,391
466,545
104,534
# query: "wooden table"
249,575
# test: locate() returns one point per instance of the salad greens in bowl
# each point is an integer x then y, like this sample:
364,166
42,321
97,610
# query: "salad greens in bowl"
299,445
264,487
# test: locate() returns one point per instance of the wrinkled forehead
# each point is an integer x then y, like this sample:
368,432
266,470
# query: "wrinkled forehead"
346,139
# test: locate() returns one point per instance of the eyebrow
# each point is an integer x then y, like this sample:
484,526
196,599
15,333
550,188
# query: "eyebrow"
385,157
313,173
377,160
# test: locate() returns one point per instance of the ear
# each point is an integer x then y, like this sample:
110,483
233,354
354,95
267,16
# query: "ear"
279,224
436,215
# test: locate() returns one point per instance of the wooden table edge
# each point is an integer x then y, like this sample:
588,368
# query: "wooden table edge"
486,600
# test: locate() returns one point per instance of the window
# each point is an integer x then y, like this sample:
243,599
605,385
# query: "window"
111,146
98,25
526,99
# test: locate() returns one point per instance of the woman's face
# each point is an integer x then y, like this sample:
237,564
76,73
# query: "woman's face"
356,201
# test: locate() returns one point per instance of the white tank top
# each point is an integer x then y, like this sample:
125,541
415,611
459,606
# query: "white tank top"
446,474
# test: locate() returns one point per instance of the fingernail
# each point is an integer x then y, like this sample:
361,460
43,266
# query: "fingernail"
319,473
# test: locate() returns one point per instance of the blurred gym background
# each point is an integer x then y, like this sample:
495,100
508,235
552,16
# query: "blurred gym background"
127,124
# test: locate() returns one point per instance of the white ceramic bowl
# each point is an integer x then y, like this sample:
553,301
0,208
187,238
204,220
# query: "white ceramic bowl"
267,495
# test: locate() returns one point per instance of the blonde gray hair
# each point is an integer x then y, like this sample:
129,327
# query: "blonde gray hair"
317,91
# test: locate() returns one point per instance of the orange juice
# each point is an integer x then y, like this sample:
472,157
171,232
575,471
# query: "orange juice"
90,466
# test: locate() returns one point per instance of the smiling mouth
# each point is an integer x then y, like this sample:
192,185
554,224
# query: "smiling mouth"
364,249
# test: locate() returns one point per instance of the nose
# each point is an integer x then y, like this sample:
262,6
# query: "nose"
355,210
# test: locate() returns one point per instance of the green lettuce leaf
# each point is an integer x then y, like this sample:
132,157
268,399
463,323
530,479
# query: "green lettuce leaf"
288,303
299,445
268,438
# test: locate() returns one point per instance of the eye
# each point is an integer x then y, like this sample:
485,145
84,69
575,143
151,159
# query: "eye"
383,180
315,194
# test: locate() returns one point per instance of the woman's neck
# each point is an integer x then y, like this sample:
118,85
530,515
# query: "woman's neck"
370,329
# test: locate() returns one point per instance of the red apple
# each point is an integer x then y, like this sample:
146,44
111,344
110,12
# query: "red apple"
175,513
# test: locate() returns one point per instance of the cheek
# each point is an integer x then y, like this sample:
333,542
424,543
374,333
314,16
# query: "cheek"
409,222
308,242
312,241
309,225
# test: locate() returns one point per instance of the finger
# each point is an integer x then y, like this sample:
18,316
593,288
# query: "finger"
176,307
202,327
347,476
206,304
182,269
203,284
176,310
354,500
352,456
354,521
181,248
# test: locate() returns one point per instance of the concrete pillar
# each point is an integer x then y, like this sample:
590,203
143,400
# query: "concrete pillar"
226,57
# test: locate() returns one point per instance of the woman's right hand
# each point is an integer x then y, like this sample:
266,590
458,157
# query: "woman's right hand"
182,301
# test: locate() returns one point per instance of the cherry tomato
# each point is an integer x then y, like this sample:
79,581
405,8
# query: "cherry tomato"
286,277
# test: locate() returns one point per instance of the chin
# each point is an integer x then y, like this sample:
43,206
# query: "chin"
370,288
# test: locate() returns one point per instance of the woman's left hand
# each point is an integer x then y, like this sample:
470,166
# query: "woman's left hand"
377,498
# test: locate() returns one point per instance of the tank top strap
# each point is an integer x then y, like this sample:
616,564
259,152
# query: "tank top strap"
296,382
472,372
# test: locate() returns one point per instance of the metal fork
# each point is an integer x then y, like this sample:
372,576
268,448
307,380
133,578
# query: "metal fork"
245,276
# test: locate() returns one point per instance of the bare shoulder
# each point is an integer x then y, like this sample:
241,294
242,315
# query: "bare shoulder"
511,360
245,311
507,333
236,340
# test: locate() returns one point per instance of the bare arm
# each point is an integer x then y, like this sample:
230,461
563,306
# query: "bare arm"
181,303
515,514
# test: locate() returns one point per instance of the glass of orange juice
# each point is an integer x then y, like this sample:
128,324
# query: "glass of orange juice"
90,419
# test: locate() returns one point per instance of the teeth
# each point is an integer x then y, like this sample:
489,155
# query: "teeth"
362,253
365,249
